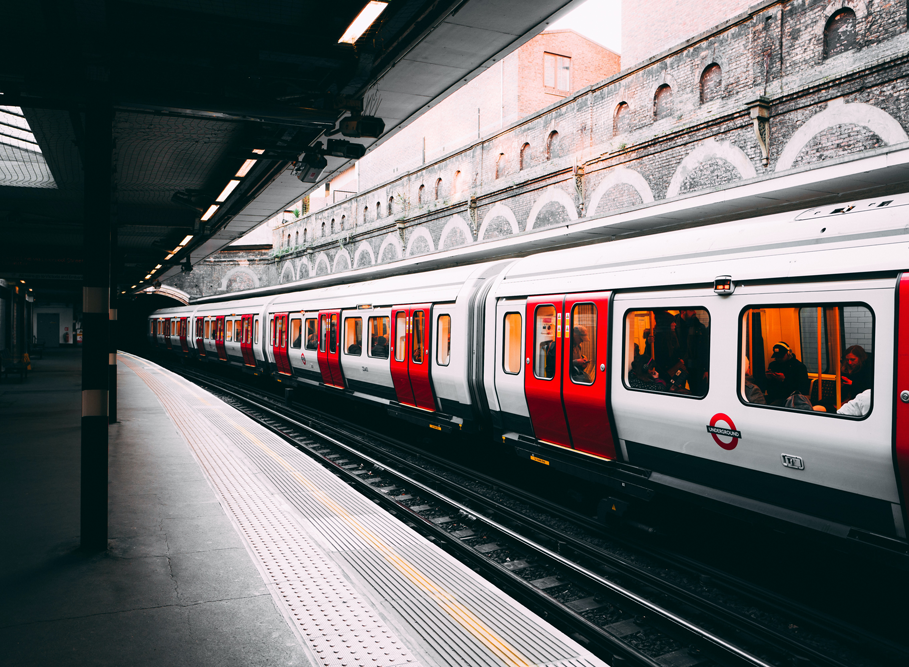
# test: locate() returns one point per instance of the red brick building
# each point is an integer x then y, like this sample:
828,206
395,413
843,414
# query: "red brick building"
545,70
654,26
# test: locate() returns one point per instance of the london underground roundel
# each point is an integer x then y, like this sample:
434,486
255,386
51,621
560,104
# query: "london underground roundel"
721,427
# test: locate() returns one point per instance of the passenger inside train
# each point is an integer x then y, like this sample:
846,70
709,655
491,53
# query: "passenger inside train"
669,350
378,337
821,360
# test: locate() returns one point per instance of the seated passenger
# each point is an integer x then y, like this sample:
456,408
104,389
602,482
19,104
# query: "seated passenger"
312,340
785,374
548,348
753,393
297,338
354,348
646,376
857,372
858,406
380,347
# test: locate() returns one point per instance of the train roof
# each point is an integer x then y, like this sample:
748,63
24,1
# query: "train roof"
858,237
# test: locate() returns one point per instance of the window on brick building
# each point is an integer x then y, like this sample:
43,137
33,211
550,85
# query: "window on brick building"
296,238
332,227
524,158
420,194
343,220
365,214
323,229
500,165
840,33
378,210
438,188
711,83
391,205
662,102
556,72
552,145
304,236
621,120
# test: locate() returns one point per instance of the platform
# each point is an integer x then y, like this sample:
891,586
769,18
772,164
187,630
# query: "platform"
228,546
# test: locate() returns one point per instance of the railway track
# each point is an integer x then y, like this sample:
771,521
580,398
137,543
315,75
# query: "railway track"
551,559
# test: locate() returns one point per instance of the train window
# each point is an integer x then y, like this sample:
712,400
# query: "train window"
333,334
353,335
296,333
418,323
583,337
256,326
230,330
443,346
814,357
378,337
544,342
512,351
272,326
207,332
312,335
400,336
323,338
668,350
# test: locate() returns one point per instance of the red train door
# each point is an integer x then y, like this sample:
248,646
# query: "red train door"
400,353
411,355
246,340
219,338
584,372
200,344
543,374
901,422
184,324
168,327
329,353
279,343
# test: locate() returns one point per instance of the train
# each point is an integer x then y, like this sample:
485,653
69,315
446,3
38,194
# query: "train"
759,365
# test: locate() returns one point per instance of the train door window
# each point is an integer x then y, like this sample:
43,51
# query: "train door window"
333,334
323,339
583,338
296,333
818,358
271,329
418,323
206,334
256,328
353,335
312,335
544,342
400,336
230,330
443,346
668,350
378,337
511,360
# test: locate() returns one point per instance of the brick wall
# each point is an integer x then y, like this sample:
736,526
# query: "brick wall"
821,109
650,27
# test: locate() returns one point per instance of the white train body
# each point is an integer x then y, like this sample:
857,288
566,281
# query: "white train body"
467,348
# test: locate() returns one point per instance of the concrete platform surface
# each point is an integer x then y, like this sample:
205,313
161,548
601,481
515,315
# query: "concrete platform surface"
177,586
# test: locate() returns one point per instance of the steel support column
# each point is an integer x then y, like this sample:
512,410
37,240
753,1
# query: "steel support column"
112,331
95,309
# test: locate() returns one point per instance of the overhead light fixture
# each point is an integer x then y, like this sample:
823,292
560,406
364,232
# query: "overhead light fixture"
225,193
158,266
148,276
210,212
187,239
133,287
361,24
169,256
22,281
362,126
259,151
245,168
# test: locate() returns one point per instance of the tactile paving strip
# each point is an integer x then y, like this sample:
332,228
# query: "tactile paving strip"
454,612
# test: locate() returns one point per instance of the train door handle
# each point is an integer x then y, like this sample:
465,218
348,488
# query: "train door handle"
904,395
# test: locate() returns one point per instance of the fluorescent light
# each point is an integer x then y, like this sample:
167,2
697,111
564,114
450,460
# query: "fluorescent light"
148,276
169,256
245,168
361,24
133,287
210,212
158,267
259,151
187,239
22,281
225,193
